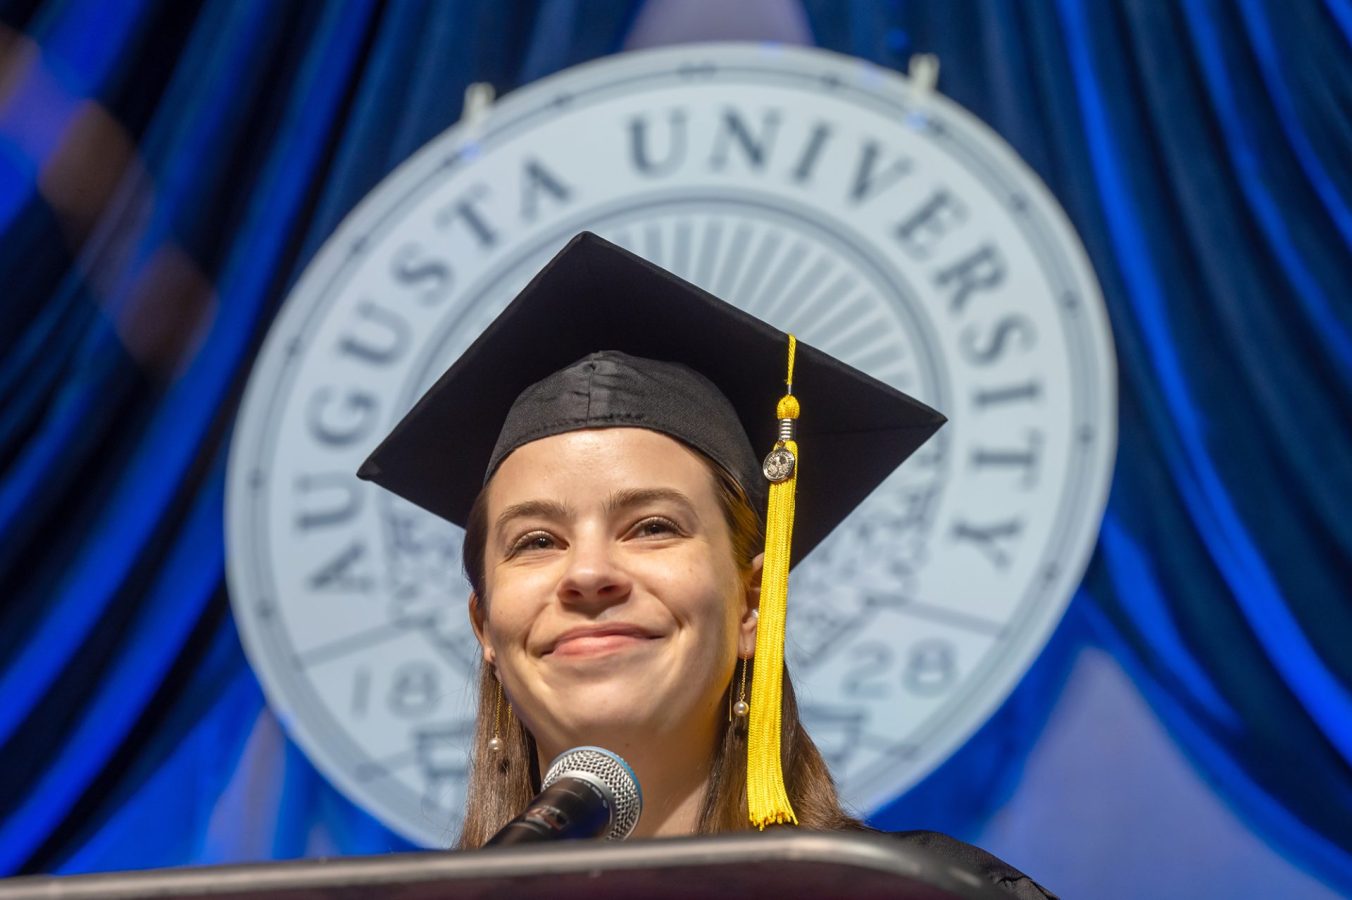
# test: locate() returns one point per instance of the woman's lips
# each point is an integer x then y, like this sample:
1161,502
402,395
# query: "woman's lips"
596,641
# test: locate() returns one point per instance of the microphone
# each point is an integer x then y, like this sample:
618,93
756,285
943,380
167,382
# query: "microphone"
587,792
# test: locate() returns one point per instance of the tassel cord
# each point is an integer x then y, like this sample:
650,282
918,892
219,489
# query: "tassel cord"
767,797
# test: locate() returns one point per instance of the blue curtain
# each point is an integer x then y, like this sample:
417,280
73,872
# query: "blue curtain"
1201,150
167,167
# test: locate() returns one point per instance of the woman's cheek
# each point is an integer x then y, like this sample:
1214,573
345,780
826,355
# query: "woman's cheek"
519,599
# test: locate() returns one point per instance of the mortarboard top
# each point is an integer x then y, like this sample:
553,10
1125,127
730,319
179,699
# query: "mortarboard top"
594,296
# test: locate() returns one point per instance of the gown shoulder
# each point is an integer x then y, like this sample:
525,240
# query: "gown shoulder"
993,869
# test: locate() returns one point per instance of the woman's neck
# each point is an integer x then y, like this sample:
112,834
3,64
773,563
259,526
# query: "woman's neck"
673,795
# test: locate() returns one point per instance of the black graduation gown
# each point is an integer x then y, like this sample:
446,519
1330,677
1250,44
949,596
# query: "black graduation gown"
978,861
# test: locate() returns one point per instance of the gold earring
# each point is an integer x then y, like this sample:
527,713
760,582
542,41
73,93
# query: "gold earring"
495,742
741,707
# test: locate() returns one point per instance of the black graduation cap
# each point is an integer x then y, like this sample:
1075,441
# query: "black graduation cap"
604,338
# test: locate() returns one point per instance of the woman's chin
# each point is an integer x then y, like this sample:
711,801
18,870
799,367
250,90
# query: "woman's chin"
611,720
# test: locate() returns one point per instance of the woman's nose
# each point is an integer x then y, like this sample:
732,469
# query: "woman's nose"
593,576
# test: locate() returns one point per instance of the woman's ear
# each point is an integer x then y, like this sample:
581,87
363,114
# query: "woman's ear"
746,638
478,614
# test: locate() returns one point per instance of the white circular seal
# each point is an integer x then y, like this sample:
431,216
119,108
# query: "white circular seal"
882,224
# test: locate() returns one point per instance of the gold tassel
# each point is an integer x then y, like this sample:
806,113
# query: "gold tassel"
767,798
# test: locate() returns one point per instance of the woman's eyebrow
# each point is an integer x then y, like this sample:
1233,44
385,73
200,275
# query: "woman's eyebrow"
628,499
540,509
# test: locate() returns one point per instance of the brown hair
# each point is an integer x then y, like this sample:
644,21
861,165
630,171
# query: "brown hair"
501,783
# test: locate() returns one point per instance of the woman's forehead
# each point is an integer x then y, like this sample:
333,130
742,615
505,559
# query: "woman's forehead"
592,465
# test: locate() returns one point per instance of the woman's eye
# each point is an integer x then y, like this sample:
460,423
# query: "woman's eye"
656,527
536,540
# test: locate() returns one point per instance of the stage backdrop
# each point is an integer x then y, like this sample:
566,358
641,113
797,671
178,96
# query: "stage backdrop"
167,169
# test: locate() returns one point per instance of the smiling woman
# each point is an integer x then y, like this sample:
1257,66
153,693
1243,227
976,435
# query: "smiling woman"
612,503
680,512
614,612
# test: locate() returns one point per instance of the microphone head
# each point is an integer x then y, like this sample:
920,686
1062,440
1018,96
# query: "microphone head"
609,773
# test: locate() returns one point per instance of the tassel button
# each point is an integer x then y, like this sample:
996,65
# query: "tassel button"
778,465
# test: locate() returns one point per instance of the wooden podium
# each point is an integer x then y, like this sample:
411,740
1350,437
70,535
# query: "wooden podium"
784,865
